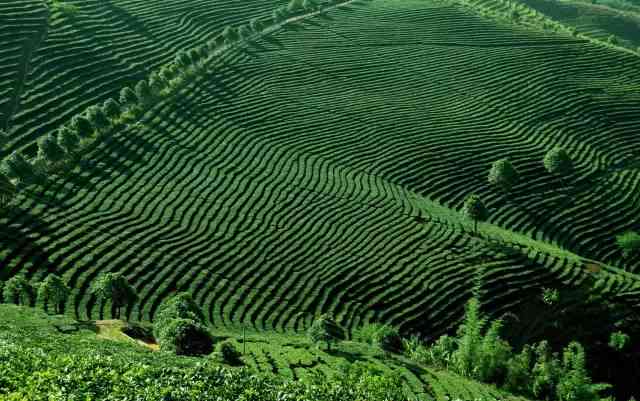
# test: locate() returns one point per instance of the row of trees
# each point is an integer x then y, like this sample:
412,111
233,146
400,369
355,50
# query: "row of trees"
52,292
505,176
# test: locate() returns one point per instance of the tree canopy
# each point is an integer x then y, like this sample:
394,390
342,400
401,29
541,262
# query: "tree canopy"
115,288
475,209
18,290
325,329
503,175
53,291
557,161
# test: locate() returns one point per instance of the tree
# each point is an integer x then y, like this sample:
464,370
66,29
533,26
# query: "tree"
68,140
503,175
128,97
294,6
156,83
244,31
475,209
229,34
53,291
98,118
183,59
388,338
50,150
82,126
256,25
279,15
186,337
325,329
167,74
180,306
629,243
116,288
17,167
229,353
7,191
558,162
574,383
17,290
309,5
111,109
619,340
143,92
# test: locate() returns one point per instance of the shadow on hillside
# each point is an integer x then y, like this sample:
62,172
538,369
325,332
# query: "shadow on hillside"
349,356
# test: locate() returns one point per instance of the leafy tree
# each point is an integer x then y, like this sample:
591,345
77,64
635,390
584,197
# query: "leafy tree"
294,6
17,167
82,126
619,340
167,74
325,329
50,150
156,83
558,162
545,373
279,15
629,242
244,31
7,191
229,34
229,353
98,118
309,5
17,290
388,338
469,340
503,175
475,209
116,288
186,337
575,383
495,354
183,59
53,291
518,378
143,92
68,140
111,109
128,97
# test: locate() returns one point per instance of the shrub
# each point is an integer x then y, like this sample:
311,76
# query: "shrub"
143,92
185,337
97,118
619,340
325,329
50,150
244,31
442,352
518,377
128,97
17,290
557,161
381,335
574,383
82,126
68,140
256,25
7,192
180,306
111,109
16,166
550,296
229,353
629,242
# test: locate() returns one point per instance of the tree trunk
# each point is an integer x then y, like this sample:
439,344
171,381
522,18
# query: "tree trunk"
475,226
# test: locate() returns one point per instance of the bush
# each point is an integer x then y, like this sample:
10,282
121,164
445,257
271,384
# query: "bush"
381,335
475,210
229,353
82,126
558,161
185,337
629,243
17,167
503,175
115,288
53,291
619,340
325,329
17,290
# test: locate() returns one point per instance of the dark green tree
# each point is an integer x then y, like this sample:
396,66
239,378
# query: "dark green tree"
156,83
17,167
180,306
185,337
143,92
115,288
574,383
98,118
7,191
279,15
53,291
230,34
229,353
558,162
50,150
82,126
475,210
325,329
18,290
128,97
503,175
68,140
256,25
388,338
111,109
183,59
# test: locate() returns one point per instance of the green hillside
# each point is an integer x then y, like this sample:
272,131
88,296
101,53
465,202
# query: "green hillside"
42,347
319,165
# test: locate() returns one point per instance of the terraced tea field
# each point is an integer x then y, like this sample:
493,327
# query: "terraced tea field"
292,178
70,62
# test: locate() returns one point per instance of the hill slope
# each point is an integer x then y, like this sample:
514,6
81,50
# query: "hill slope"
288,180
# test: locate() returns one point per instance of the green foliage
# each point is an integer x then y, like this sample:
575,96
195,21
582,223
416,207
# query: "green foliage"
64,8
82,126
185,337
475,210
156,83
97,118
115,288
619,340
53,291
17,167
244,31
279,15
7,191
128,97
503,175
18,290
325,329
50,150
229,353
550,296
143,92
294,6
381,335
557,161
629,242
68,140
181,306
518,376
183,59
467,355
574,383
230,34
256,25
111,109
